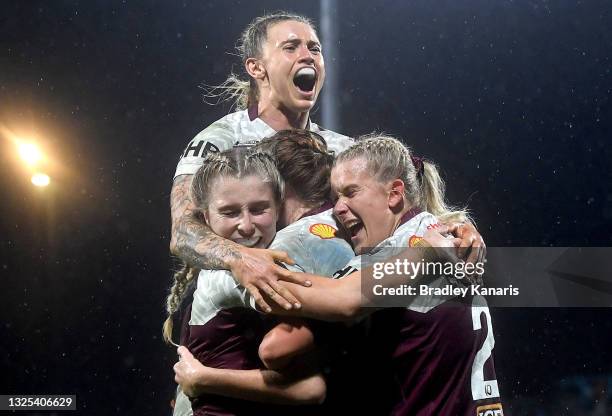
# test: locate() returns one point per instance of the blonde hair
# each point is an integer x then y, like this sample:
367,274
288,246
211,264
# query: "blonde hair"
388,159
244,93
237,163
182,281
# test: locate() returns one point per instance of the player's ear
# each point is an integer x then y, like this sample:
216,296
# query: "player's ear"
397,190
254,67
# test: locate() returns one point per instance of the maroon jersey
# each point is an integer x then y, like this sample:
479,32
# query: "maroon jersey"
228,340
442,359
439,350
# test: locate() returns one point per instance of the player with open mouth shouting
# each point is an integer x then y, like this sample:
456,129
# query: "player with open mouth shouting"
283,59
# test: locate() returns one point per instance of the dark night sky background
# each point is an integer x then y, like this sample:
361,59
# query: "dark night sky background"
511,98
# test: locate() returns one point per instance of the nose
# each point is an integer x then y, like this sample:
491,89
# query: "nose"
340,209
245,226
305,55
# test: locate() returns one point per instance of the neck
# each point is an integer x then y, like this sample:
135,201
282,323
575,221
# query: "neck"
280,118
295,209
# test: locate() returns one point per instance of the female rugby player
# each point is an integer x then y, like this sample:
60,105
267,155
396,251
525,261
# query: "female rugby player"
220,333
441,350
283,60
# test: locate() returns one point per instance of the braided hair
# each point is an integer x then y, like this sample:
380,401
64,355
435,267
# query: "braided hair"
236,163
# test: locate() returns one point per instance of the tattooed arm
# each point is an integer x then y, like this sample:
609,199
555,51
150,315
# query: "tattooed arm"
195,243
192,240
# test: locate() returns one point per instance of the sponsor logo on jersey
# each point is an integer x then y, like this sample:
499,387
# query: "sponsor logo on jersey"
490,410
246,143
433,226
199,148
324,231
416,241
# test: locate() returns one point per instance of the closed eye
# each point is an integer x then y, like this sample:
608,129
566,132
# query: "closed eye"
230,214
259,208
315,49
350,192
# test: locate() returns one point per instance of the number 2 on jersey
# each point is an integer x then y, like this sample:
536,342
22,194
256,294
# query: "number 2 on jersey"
481,388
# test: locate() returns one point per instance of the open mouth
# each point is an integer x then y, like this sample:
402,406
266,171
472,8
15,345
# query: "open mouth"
353,227
305,79
248,242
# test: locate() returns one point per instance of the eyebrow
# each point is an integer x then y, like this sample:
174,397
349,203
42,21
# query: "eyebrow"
262,203
227,207
348,188
298,41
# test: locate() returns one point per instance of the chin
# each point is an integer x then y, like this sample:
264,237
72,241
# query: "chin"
303,106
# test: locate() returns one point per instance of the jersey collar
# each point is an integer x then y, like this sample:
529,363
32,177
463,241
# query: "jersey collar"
253,113
410,214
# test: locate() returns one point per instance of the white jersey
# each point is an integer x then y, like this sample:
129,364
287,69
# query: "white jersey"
311,242
240,128
213,294
406,235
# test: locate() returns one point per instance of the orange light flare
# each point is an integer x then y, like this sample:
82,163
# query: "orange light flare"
41,180
30,153
30,148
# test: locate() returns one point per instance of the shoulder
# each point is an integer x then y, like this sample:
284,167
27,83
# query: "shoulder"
335,141
321,239
217,137
215,285
313,244
416,227
216,290
321,226
223,130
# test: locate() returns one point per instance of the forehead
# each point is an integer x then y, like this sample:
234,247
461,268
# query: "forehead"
290,29
350,172
230,190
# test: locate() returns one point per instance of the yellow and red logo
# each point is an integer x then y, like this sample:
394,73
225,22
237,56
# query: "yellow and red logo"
490,410
324,231
416,241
